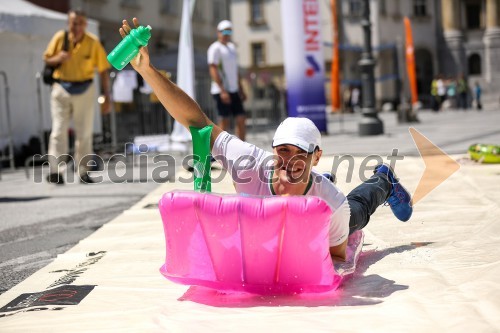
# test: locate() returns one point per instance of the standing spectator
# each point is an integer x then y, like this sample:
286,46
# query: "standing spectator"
451,92
434,95
226,84
462,92
346,98
73,93
441,90
355,94
477,95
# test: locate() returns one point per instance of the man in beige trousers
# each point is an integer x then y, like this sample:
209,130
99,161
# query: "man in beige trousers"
73,93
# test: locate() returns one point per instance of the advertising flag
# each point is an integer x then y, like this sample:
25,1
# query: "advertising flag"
303,60
410,61
335,71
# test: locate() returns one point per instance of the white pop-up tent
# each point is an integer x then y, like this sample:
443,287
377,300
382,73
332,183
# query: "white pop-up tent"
25,31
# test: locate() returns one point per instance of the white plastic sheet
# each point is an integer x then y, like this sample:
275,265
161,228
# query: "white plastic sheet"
436,273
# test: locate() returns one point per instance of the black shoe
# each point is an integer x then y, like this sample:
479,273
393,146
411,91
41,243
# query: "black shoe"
55,178
85,179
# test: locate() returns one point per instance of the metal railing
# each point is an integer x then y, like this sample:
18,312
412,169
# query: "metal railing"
6,133
146,116
32,160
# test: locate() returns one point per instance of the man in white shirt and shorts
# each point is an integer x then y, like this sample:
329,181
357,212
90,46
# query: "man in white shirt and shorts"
288,169
226,86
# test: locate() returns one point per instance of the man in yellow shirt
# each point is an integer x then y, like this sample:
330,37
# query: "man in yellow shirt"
73,93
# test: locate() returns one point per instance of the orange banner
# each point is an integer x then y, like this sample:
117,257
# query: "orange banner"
410,61
335,75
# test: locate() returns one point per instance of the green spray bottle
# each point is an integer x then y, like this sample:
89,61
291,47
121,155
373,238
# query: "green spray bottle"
128,48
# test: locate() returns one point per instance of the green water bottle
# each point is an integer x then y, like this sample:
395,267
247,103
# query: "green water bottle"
128,48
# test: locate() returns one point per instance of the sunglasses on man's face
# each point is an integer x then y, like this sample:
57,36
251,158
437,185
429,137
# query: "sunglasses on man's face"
227,32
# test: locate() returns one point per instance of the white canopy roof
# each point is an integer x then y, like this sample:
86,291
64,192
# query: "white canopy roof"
25,31
25,18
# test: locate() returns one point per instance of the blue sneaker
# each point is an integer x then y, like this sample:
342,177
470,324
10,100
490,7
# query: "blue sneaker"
399,199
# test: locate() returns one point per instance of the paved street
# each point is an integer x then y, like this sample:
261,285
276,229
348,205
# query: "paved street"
453,131
40,221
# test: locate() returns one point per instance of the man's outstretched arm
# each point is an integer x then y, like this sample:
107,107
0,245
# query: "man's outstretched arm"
180,106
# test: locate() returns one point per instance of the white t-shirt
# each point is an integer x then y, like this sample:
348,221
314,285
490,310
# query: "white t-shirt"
251,170
226,60
441,88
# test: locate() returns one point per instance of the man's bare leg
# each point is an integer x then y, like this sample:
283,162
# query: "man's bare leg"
241,127
224,123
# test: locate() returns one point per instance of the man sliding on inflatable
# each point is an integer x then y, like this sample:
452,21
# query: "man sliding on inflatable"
296,148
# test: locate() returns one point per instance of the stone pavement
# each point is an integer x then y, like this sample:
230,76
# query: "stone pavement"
452,130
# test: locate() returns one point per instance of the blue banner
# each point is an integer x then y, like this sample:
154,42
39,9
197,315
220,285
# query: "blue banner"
304,62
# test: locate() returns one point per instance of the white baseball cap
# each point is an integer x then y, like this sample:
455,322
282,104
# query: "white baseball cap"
223,25
300,132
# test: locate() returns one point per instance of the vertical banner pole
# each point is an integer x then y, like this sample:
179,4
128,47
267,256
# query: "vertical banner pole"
185,66
335,70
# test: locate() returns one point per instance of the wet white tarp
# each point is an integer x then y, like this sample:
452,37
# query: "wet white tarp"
439,272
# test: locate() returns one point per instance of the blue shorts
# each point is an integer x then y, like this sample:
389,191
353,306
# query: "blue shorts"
235,108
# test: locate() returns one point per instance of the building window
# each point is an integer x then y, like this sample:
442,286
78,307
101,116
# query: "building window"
419,8
257,12
258,54
475,64
473,15
355,8
169,6
219,11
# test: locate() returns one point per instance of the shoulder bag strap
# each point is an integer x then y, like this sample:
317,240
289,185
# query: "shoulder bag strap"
66,41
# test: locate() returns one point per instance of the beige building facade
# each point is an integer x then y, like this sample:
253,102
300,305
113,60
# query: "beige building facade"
451,37
163,15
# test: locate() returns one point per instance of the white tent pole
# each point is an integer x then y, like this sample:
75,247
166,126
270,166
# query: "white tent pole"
185,66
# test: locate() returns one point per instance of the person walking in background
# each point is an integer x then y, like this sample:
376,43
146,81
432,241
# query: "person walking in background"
355,96
346,99
451,92
462,92
477,95
226,84
434,95
73,93
441,90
